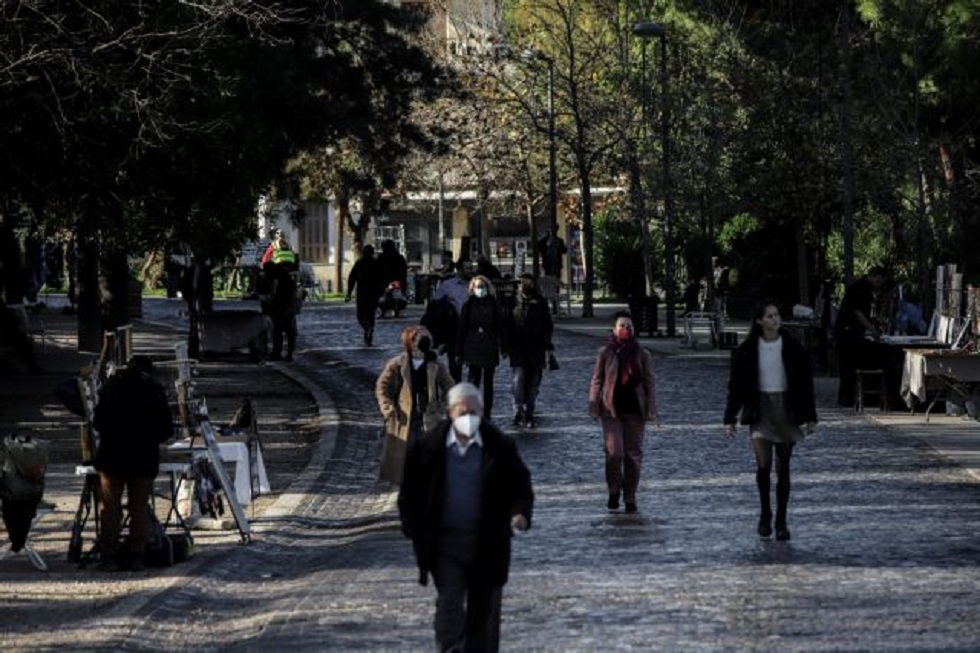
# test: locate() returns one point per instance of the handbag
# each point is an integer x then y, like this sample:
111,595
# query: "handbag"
552,362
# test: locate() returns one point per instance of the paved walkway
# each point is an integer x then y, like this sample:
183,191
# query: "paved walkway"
884,552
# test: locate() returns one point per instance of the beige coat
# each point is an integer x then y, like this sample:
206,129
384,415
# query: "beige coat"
394,395
604,383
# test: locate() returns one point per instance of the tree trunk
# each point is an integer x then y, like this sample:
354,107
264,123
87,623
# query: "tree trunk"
89,323
587,241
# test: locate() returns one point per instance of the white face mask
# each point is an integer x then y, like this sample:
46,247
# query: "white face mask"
466,424
480,292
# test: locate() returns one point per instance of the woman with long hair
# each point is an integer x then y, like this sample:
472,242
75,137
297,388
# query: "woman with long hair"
478,338
411,391
622,395
771,384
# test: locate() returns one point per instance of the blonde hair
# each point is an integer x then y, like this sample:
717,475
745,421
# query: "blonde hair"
486,282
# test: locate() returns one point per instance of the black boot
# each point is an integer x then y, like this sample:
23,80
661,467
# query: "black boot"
765,513
782,503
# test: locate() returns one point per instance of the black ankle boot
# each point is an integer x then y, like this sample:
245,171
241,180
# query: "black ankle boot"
782,532
613,503
765,525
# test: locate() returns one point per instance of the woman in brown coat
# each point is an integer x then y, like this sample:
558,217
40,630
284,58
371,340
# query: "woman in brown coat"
622,395
411,392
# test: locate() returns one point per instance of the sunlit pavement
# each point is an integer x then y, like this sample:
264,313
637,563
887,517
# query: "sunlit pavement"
884,554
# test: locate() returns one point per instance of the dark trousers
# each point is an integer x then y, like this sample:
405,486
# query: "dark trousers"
482,376
526,381
283,324
138,489
623,439
367,311
467,606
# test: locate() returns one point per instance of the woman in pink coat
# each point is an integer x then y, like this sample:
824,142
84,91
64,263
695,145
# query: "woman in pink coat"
622,395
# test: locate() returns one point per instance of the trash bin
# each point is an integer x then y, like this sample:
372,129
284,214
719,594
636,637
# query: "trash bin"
644,310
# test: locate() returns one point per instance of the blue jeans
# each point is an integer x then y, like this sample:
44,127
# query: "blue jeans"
526,382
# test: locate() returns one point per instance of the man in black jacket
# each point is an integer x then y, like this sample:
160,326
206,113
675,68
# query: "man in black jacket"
465,491
132,419
852,329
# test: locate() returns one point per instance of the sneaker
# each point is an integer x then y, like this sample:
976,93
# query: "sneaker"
613,503
782,533
288,358
530,423
519,417
630,507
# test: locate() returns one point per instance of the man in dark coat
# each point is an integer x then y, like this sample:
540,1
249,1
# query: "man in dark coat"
853,324
282,271
465,491
365,278
132,419
526,340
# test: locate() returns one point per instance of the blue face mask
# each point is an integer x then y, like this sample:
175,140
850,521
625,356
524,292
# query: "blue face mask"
480,292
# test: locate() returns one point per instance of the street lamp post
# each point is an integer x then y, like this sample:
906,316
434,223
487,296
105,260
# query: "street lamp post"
552,167
647,29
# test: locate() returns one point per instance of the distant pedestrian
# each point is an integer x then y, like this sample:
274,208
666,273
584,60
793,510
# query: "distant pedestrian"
478,338
394,267
622,395
454,290
132,418
466,490
282,272
526,340
771,383
552,248
411,393
852,330
365,278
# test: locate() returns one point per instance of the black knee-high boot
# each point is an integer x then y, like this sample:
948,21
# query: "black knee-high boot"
765,502
782,503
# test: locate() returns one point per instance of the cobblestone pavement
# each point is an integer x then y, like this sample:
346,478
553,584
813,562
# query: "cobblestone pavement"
884,555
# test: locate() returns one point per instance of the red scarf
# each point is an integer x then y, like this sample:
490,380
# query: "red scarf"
628,354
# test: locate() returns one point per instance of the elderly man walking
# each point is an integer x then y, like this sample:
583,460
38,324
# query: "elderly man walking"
465,491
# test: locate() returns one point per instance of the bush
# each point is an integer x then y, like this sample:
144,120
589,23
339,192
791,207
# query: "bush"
619,253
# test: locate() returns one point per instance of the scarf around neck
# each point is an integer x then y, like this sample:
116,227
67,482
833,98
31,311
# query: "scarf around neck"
627,352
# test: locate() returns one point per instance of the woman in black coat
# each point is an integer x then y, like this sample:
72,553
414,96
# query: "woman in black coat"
478,338
526,340
771,383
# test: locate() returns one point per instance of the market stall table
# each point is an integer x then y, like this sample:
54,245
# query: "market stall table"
949,366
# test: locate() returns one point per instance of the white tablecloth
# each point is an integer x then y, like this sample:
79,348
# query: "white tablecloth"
236,452
947,365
